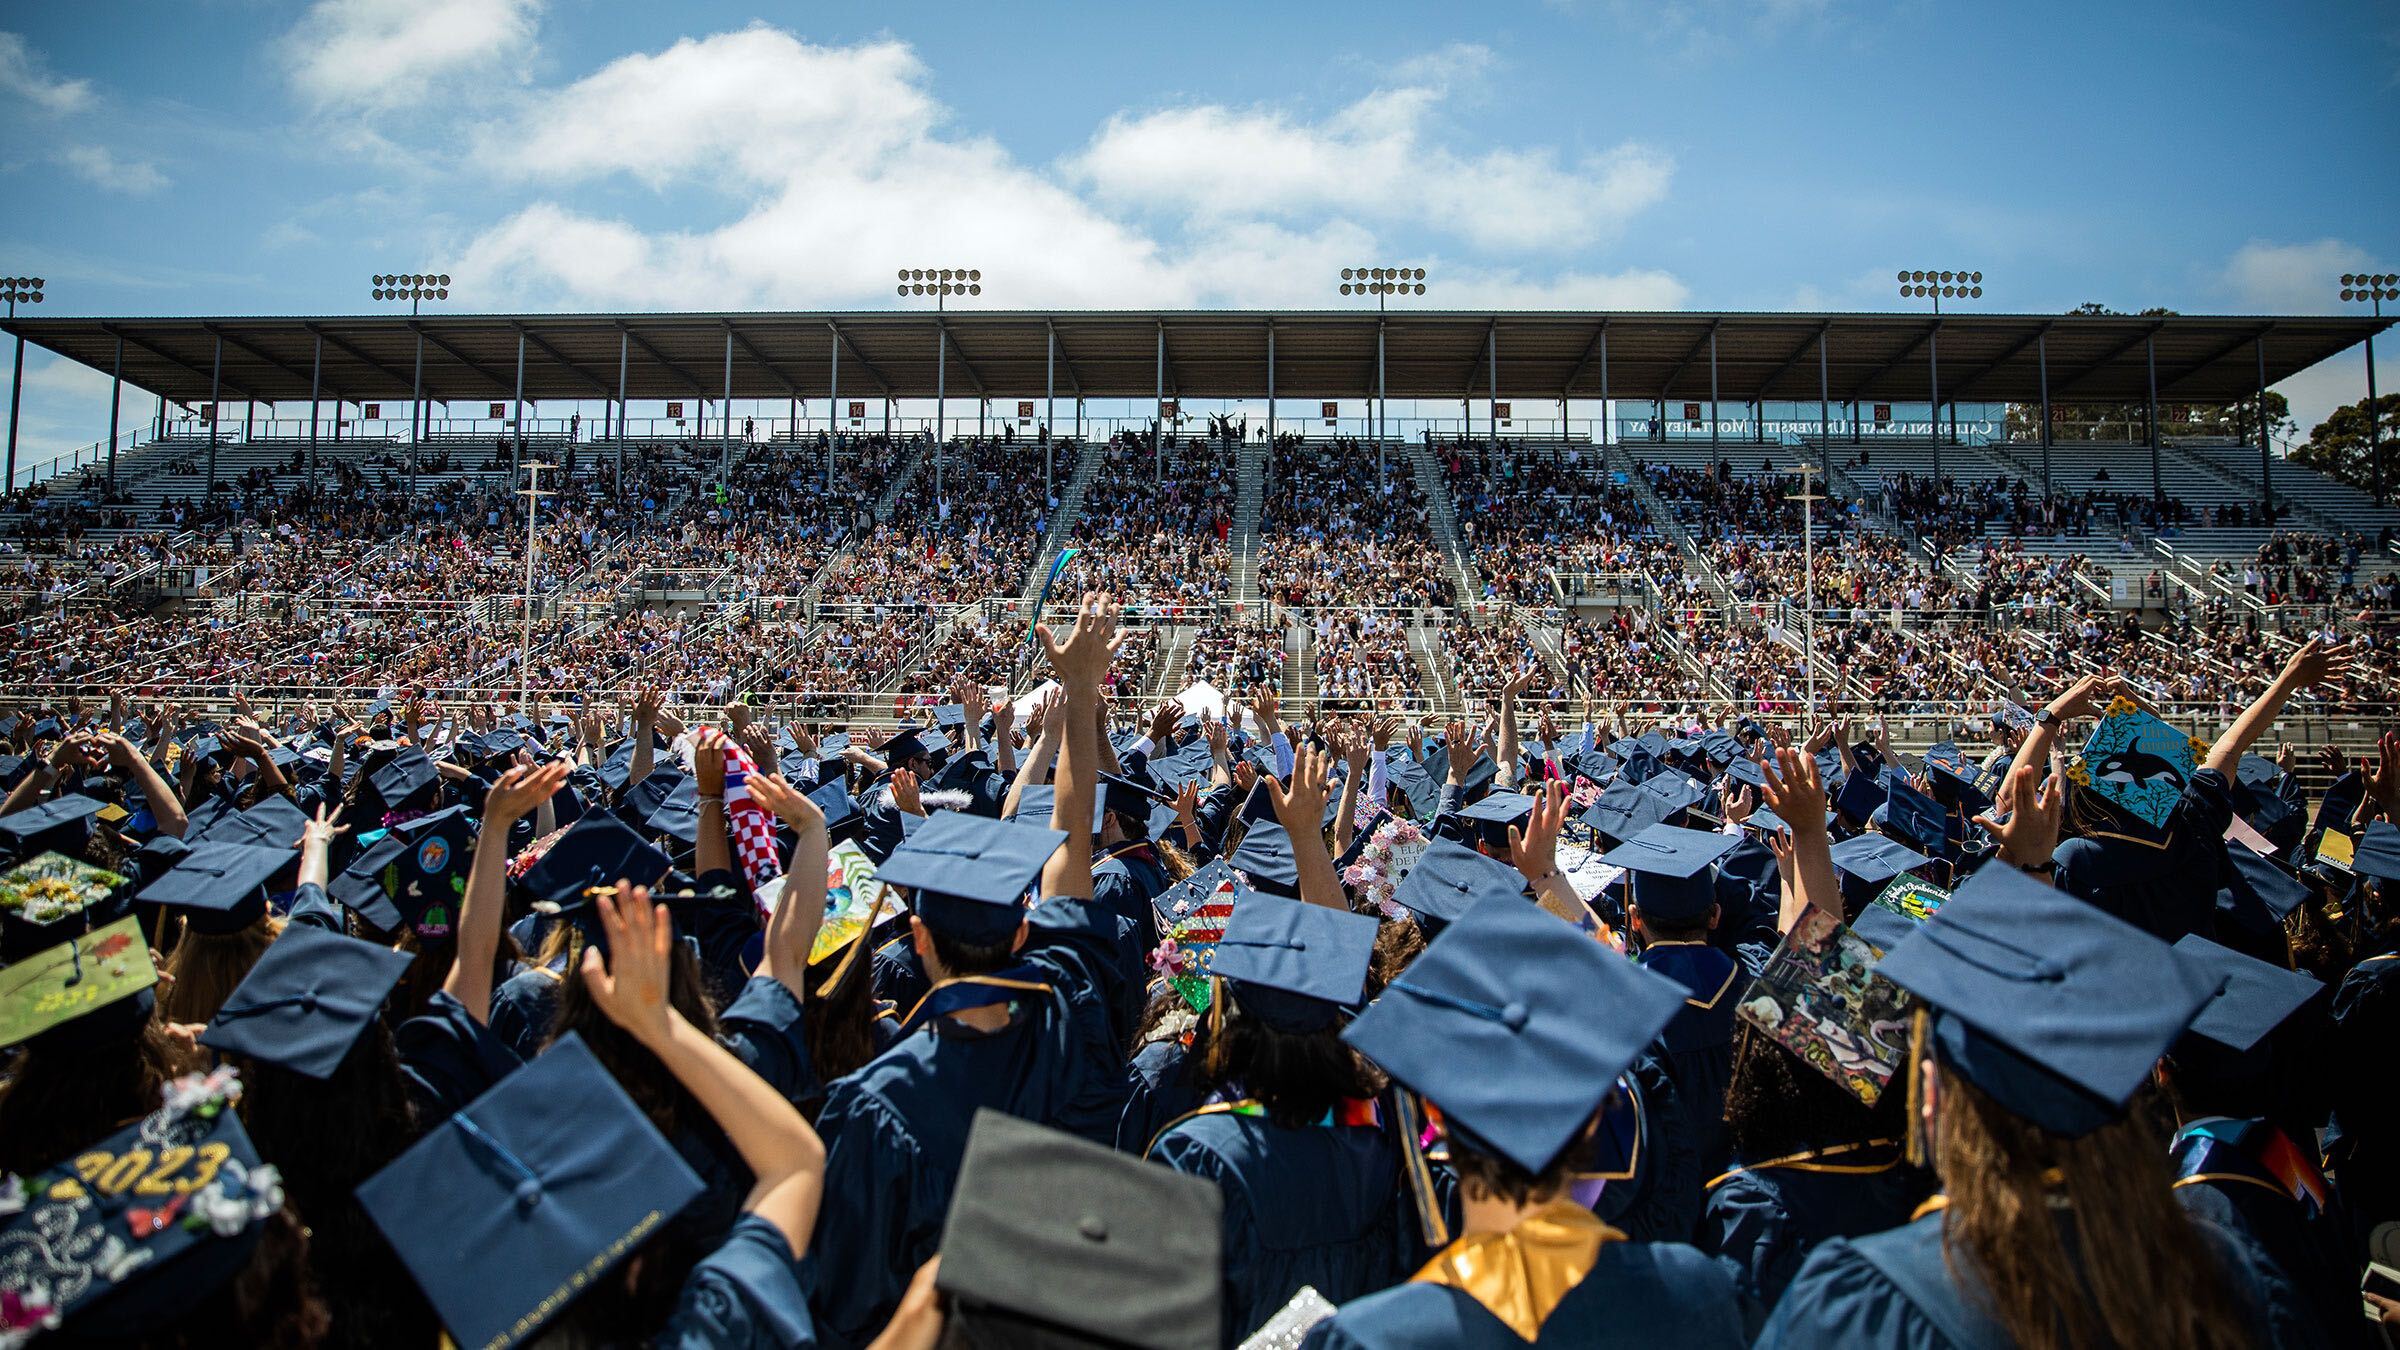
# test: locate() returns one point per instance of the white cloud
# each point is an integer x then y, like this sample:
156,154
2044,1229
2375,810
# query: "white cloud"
379,55
828,166
1376,156
22,73
2271,278
95,165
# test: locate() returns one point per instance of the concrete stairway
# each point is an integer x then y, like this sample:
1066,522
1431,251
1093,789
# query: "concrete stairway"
1444,513
1249,503
1063,521
1663,519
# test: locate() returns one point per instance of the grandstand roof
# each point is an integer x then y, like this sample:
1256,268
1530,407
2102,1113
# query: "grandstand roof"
1209,354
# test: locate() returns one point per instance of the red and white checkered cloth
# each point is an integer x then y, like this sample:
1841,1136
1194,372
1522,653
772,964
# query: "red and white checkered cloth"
751,826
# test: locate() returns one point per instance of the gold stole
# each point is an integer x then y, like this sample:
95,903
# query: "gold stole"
1519,1276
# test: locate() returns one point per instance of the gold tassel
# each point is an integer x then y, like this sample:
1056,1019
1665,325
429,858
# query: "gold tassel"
1920,1149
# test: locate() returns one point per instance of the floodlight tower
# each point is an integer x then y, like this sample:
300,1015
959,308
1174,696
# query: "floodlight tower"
1382,283
1937,286
415,288
27,290
2357,288
941,283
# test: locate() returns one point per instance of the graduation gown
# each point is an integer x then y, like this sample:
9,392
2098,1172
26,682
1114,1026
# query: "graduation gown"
1891,1289
1699,1042
1764,1219
746,1293
1318,1206
2241,1175
1163,1085
2165,889
896,1130
2365,1145
1654,1295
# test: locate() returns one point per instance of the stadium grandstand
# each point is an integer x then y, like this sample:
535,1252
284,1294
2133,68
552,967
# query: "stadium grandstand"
1632,502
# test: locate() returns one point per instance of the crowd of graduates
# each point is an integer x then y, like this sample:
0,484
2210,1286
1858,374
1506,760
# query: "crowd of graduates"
1046,1018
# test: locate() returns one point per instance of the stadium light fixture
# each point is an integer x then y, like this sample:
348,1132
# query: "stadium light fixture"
941,282
1939,286
16,290
2372,288
1383,282
414,287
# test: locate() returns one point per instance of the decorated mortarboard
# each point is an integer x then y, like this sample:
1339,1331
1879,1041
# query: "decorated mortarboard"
2377,852
2137,763
128,1236
531,1193
1818,996
81,976
2051,1006
306,1001
1056,1239
1449,878
1671,881
2252,997
1265,858
598,850
403,779
1192,914
1516,1027
969,874
1294,965
50,895
218,888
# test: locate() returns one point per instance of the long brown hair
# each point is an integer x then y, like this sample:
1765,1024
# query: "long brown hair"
204,968
2140,1263
644,1079
58,1099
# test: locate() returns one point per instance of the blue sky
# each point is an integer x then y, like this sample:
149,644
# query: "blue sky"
237,156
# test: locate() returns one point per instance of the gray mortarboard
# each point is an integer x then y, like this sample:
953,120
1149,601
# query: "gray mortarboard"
1882,926
136,1265
2377,853
1764,820
404,778
532,1192
2252,998
218,888
1265,857
1671,881
1495,1024
970,874
1625,810
1449,879
1054,1239
1295,966
307,1000
843,819
2046,1003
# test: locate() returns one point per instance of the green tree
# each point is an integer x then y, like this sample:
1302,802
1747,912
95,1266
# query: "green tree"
2337,447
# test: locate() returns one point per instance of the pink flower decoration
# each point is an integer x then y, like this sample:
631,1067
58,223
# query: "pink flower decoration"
1167,958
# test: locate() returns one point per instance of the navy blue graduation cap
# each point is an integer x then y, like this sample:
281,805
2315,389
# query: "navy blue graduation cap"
1719,745
1652,743
403,777
1882,926
1861,797
1295,966
1132,800
660,786
1595,765
908,742
1678,792
2260,895
535,1190
2377,853
60,823
95,1242
307,1000
1671,882
947,715
1517,1027
1954,785
1623,746
598,850
218,888
1829,768
2252,997
47,729
274,822
843,819
1625,810
1876,858
2257,771
1265,857
678,815
1410,779
2269,814
1449,879
1037,801
2046,1003
1188,764
1764,820
1915,817
1498,809
365,884
970,874
1746,772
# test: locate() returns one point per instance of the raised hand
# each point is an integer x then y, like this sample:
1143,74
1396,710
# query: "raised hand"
2382,774
1534,848
1466,746
2029,835
1163,719
1794,791
905,794
630,986
1265,705
708,762
2317,662
1082,658
646,707
521,791
1215,731
787,803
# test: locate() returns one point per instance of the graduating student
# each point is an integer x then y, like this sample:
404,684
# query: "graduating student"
1019,1018
1290,1131
1513,1026
2056,1226
1672,907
